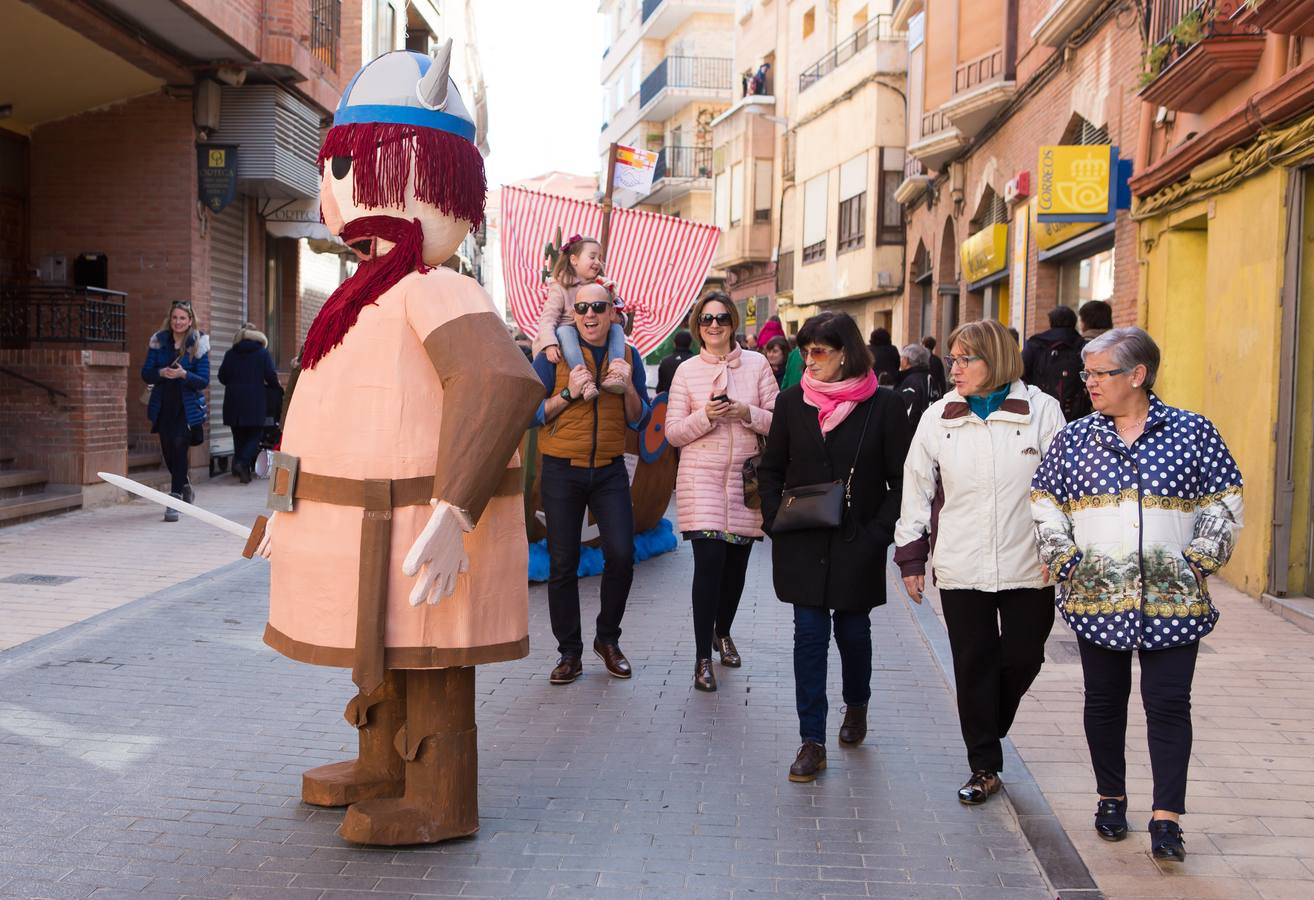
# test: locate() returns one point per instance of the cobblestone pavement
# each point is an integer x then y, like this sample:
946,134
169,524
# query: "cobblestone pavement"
156,750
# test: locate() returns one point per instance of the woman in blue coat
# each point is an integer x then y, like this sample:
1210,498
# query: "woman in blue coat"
178,369
245,373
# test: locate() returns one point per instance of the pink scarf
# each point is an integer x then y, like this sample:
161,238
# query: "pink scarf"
834,400
721,379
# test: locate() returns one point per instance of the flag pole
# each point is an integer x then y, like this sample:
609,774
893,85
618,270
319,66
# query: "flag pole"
606,200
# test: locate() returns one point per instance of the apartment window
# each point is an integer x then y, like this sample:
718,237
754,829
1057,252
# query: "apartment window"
636,75
385,27
889,225
736,193
325,26
853,204
809,26
762,190
721,200
815,195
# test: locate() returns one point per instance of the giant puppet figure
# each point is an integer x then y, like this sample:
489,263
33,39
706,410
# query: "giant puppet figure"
397,548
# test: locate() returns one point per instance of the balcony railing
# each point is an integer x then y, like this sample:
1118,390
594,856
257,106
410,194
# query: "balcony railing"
934,122
60,314
325,27
650,7
913,168
712,73
981,70
878,28
1199,51
1167,15
683,162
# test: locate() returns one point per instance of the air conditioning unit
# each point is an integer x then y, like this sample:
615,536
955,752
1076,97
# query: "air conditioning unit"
885,279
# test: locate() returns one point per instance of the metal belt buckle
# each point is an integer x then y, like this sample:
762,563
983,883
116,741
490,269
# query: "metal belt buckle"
283,481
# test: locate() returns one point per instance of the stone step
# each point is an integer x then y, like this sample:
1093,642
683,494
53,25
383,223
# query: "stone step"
21,482
141,460
55,498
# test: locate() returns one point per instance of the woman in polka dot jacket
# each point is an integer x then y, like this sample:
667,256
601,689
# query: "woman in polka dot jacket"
1134,506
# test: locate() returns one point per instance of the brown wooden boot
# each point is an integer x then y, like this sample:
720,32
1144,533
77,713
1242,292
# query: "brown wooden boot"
440,746
379,770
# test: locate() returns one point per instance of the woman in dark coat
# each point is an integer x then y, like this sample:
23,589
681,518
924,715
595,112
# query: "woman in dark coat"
837,425
246,372
177,367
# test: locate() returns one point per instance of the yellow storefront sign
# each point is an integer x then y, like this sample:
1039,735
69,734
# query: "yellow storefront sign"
1051,234
985,253
1074,180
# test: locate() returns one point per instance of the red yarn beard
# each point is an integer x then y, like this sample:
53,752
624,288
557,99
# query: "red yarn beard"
374,276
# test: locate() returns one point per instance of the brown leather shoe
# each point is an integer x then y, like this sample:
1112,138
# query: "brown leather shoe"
568,669
811,759
729,653
978,788
854,728
610,654
704,677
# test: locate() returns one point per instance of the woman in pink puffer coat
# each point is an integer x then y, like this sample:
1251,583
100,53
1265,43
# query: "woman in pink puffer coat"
720,402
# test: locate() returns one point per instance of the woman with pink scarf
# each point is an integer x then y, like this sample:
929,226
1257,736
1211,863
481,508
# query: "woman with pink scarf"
836,426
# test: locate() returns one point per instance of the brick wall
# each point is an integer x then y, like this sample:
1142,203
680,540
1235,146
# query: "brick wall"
70,437
122,181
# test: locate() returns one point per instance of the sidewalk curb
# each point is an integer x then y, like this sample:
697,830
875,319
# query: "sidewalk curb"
1058,858
14,656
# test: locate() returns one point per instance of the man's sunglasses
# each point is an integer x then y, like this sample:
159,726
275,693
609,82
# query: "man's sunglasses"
718,318
598,306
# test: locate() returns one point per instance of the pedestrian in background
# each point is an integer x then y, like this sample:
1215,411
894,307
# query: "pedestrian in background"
246,372
1095,317
937,366
1051,361
793,368
1135,506
720,403
836,426
885,357
683,341
979,446
915,386
770,330
583,447
177,367
777,353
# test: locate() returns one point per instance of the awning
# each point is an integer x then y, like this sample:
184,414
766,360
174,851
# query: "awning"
299,219
982,284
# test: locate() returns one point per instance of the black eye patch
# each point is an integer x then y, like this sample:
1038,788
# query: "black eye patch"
341,166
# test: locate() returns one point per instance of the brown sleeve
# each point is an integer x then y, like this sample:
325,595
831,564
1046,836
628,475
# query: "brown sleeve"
490,394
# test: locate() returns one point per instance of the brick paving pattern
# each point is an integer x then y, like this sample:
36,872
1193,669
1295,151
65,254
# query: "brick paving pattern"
156,751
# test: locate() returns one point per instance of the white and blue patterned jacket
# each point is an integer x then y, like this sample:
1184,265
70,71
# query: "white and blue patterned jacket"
1131,532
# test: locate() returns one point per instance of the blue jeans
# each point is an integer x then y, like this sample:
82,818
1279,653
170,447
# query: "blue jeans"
811,644
568,341
566,492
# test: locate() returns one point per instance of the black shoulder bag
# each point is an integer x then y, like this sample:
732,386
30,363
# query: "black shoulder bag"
819,505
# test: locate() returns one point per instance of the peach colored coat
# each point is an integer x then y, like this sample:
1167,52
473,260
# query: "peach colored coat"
373,408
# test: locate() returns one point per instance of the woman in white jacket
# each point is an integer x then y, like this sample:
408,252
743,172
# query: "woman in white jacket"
967,506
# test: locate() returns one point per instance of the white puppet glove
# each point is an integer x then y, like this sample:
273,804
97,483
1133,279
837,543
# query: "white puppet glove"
266,544
438,554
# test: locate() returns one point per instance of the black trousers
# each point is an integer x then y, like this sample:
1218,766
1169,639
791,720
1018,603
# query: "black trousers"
718,582
175,442
566,492
998,643
246,444
1166,694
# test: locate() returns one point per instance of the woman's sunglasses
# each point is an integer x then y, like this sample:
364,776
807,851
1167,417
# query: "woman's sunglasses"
598,306
718,318
181,304
817,353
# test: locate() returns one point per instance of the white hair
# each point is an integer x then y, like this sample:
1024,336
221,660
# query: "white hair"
1129,347
916,354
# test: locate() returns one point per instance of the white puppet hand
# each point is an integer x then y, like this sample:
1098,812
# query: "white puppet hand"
438,554
266,544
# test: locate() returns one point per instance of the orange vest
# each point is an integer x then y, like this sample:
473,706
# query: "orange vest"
588,433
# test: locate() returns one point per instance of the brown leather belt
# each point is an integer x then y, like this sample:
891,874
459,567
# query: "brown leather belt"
370,493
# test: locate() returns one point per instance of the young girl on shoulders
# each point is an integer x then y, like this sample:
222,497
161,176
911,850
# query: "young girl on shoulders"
580,263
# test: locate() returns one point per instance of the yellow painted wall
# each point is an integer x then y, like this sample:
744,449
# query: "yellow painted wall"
1219,334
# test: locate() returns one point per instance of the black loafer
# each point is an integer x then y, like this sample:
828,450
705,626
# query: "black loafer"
1111,819
1166,840
978,788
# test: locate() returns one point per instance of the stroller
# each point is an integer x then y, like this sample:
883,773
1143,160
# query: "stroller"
272,435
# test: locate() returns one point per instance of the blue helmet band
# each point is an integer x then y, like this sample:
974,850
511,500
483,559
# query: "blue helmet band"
405,115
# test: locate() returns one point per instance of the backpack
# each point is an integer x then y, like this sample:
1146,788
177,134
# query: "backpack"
1058,376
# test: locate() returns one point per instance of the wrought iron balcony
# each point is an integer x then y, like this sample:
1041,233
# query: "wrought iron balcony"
61,314
1198,53
878,28
706,73
683,162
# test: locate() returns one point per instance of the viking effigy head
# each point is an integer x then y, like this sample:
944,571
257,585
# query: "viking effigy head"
402,147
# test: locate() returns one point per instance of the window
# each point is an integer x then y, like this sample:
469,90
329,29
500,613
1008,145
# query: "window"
721,200
860,29
762,190
636,75
385,27
325,26
889,226
736,193
853,204
815,196
809,22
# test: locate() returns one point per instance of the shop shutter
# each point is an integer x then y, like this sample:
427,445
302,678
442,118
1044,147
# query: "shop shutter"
227,308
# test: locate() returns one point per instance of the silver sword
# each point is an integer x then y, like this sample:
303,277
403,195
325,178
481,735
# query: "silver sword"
252,535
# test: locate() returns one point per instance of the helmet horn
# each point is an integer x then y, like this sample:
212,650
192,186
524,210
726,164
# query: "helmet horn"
432,89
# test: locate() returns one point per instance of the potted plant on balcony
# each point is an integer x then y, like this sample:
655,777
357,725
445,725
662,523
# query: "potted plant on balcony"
1206,53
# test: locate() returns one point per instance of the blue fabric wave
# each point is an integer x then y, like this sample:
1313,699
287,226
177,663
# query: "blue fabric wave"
654,542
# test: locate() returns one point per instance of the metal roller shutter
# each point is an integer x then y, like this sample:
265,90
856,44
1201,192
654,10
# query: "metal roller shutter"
227,308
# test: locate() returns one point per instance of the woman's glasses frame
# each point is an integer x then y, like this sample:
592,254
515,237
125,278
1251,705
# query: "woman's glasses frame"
818,352
719,318
964,361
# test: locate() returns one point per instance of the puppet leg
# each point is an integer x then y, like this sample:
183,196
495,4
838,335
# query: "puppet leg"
441,750
379,770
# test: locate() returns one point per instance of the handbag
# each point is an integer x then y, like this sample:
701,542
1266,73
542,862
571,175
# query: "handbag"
819,505
752,496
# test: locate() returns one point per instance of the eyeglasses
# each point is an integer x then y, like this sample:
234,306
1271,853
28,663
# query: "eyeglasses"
964,361
598,306
718,318
181,304
1097,375
817,353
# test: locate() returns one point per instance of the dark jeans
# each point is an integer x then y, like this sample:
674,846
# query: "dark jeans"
566,491
1166,694
246,444
718,583
175,442
998,643
811,645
